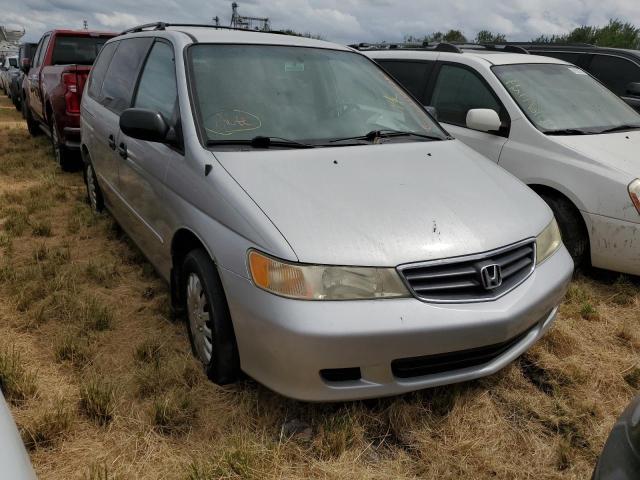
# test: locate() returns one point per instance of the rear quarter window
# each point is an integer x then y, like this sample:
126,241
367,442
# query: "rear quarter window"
570,57
615,72
412,75
120,79
100,69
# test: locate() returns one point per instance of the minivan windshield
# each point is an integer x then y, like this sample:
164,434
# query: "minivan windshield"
300,95
563,99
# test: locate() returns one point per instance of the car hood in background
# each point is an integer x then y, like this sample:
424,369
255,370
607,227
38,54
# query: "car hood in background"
387,204
618,150
14,461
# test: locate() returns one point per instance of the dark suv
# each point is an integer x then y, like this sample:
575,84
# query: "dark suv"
15,87
617,68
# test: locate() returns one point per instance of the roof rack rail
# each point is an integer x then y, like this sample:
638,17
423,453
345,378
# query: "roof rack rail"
502,47
146,26
548,44
516,49
440,47
163,26
389,46
447,47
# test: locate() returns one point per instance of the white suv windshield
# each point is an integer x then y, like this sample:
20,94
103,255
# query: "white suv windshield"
563,99
300,94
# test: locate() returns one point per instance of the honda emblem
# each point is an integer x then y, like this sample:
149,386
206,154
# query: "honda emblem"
491,276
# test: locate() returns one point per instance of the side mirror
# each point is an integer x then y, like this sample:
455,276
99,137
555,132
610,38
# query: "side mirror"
144,124
634,89
25,65
483,119
433,111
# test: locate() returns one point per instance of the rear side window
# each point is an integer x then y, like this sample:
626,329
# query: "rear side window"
459,90
157,89
615,72
13,62
571,57
412,75
100,69
120,79
27,50
42,49
76,50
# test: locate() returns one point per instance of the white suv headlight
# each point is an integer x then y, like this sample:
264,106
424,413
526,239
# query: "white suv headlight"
548,242
634,193
322,282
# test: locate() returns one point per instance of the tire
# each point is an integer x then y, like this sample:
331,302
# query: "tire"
61,154
574,233
201,289
32,124
94,194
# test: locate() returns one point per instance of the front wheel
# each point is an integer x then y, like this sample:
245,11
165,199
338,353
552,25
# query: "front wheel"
208,320
32,124
574,233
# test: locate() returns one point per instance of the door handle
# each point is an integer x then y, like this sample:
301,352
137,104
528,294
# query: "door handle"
122,150
112,142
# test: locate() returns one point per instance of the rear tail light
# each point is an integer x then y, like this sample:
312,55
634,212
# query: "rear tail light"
72,92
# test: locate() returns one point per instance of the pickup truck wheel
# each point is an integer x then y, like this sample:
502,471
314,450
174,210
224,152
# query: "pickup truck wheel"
32,124
94,194
574,233
208,320
61,153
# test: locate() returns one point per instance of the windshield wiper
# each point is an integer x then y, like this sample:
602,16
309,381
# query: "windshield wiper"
386,133
262,142
568,131
620,128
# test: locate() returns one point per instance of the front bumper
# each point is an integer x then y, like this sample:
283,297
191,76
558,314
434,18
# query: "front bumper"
285,344
615,244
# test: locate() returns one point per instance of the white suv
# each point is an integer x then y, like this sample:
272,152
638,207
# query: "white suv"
549,123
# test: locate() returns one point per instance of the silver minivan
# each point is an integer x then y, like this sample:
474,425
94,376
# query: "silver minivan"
318,229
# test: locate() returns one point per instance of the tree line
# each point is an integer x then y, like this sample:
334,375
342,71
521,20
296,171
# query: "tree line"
615,34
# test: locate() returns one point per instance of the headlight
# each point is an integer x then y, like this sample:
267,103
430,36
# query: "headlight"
321,282
548,242
634,193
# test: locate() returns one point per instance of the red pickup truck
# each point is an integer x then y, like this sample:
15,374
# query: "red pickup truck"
53,84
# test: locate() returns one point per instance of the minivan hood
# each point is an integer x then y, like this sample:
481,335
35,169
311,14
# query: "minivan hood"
617,150
388,204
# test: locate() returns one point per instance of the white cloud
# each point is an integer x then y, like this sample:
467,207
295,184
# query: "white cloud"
117,20
337,20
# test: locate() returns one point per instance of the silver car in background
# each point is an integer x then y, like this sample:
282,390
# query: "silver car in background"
14,460
319,230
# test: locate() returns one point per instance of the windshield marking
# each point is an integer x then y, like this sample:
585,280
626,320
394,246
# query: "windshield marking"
229,122
563,100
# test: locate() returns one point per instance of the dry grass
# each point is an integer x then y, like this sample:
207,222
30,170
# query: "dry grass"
103,385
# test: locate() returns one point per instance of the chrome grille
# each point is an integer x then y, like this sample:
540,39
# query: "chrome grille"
460,279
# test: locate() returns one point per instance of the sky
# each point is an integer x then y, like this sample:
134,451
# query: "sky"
343,21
